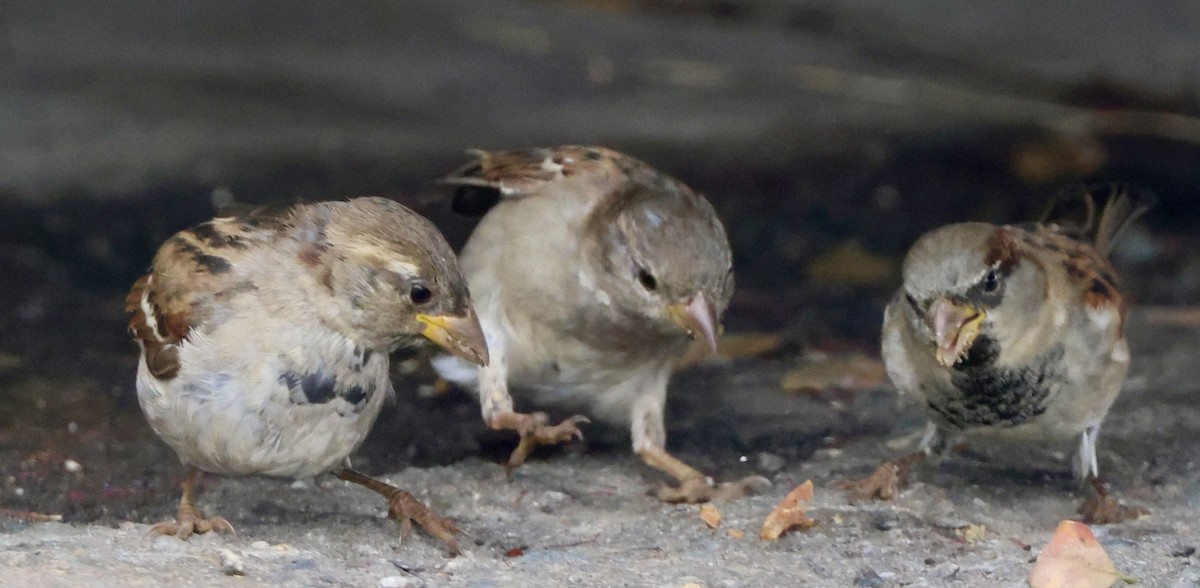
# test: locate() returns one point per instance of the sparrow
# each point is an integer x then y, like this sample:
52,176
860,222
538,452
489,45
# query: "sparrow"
265,336
592,274
1014,331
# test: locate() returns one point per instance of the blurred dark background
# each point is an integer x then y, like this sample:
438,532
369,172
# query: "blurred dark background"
829,135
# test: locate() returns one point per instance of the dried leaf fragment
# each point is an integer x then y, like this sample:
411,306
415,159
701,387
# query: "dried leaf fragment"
1074,559
710,515
737,534
789,513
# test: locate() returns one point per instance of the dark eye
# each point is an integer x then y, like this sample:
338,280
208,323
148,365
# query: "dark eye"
991,282
419,293
647,280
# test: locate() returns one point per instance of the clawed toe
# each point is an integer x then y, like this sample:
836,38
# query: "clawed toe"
883,484
536,433
185,525
698,490
407,509
1102,509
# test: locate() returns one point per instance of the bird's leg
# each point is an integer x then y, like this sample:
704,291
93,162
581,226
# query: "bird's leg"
1099,508
406,509
649,442
497,406
885,482
189,519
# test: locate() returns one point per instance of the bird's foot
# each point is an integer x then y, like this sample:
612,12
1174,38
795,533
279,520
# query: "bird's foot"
405,507
189,520
535,433
704,489
885,483
1102,509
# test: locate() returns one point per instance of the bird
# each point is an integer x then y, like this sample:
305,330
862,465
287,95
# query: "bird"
1012,331
265,334
592,273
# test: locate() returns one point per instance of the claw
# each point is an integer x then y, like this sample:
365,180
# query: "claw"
535,433
884,483
190,521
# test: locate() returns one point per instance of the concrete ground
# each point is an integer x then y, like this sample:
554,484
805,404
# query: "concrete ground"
583,518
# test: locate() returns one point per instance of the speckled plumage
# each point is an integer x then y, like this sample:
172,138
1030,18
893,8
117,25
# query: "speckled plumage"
265,336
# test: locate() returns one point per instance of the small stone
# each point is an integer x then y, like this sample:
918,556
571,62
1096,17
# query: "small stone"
400,582
72,427
867,578
299,485
260,544
365,549
232,564
883,522
770,463
72,466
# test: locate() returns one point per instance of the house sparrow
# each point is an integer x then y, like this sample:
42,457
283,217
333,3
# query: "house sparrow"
1011,331
265,341
592,273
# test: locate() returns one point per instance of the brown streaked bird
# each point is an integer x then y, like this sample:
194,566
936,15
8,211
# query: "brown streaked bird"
592,274
1010,331
265,341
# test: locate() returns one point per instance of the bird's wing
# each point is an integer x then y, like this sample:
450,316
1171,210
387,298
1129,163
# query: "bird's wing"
594,173
191,270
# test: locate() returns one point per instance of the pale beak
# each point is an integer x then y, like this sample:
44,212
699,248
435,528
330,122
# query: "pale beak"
460,335
699,318
955,327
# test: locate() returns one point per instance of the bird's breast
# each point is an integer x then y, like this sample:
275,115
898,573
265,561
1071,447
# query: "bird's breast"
982,393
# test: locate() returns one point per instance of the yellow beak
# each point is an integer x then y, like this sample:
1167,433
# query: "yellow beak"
955,327
699,319
460,335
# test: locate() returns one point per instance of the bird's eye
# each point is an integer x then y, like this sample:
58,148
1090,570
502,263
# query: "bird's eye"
419,293
647,280
991,282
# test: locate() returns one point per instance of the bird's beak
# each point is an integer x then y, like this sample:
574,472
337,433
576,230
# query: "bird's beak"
955,327
460,335
699,318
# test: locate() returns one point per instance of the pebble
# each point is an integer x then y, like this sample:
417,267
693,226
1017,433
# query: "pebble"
400,582
260,544
72,466
770,463
232,564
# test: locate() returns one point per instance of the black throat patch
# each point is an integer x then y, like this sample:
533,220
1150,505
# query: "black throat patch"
982,394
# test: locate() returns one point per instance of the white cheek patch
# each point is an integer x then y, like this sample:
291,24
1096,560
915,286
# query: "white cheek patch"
588,283
1060,315
1102,317
1120,352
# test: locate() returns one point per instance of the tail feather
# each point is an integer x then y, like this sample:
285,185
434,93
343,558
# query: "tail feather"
1124,206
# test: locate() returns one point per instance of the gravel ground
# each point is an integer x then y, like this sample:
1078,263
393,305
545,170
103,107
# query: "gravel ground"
583,518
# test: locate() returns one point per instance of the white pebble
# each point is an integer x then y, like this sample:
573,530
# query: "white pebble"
399,582
260,544
72,466
232,564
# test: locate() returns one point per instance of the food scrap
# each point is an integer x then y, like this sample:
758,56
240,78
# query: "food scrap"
710,515
789,513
